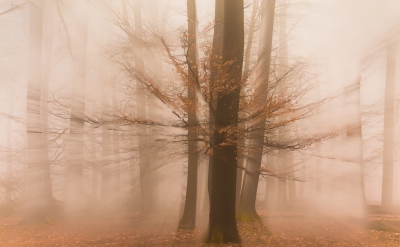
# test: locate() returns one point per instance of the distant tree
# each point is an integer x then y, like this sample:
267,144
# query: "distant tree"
77,45
34,195
388,128
246,211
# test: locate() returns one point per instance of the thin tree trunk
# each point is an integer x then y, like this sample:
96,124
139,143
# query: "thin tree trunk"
222,222
242,138
247,210
388,130
95,169
270,183
34,197
106,146
75,198
283,65
354,138
116,171
141,102
285,158
44,109
132,166
189,214
10,180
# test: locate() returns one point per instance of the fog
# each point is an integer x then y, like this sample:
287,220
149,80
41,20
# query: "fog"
108,104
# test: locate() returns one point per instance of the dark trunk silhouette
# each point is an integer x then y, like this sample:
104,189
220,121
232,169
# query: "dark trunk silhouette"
222,222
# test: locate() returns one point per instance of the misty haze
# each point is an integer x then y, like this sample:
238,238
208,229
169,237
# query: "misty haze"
200,123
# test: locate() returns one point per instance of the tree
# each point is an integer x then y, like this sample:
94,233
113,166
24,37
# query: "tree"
354,141
189,214
242,125
246,211
35,202
388,130
222,226
78,47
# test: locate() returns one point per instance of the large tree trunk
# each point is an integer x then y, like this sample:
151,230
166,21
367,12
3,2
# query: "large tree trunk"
242,138
214,83
388,130
247,210
189,214
34,194
75,198
222,222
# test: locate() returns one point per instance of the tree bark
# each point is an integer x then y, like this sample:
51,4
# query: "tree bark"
222,223
247,210
189,214
214,82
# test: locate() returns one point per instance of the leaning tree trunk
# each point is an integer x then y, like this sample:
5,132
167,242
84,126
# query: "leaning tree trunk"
189,214
75,198
222,222
34,194
242,115
388,130
247,208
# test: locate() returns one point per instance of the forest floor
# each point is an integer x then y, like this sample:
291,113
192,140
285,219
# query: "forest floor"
278,228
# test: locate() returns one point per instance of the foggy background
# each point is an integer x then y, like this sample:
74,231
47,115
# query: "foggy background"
341,40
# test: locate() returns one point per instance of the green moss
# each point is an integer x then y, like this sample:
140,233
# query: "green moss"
216,236
247,216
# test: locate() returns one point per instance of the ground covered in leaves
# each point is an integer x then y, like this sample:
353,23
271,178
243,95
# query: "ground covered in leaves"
285,228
